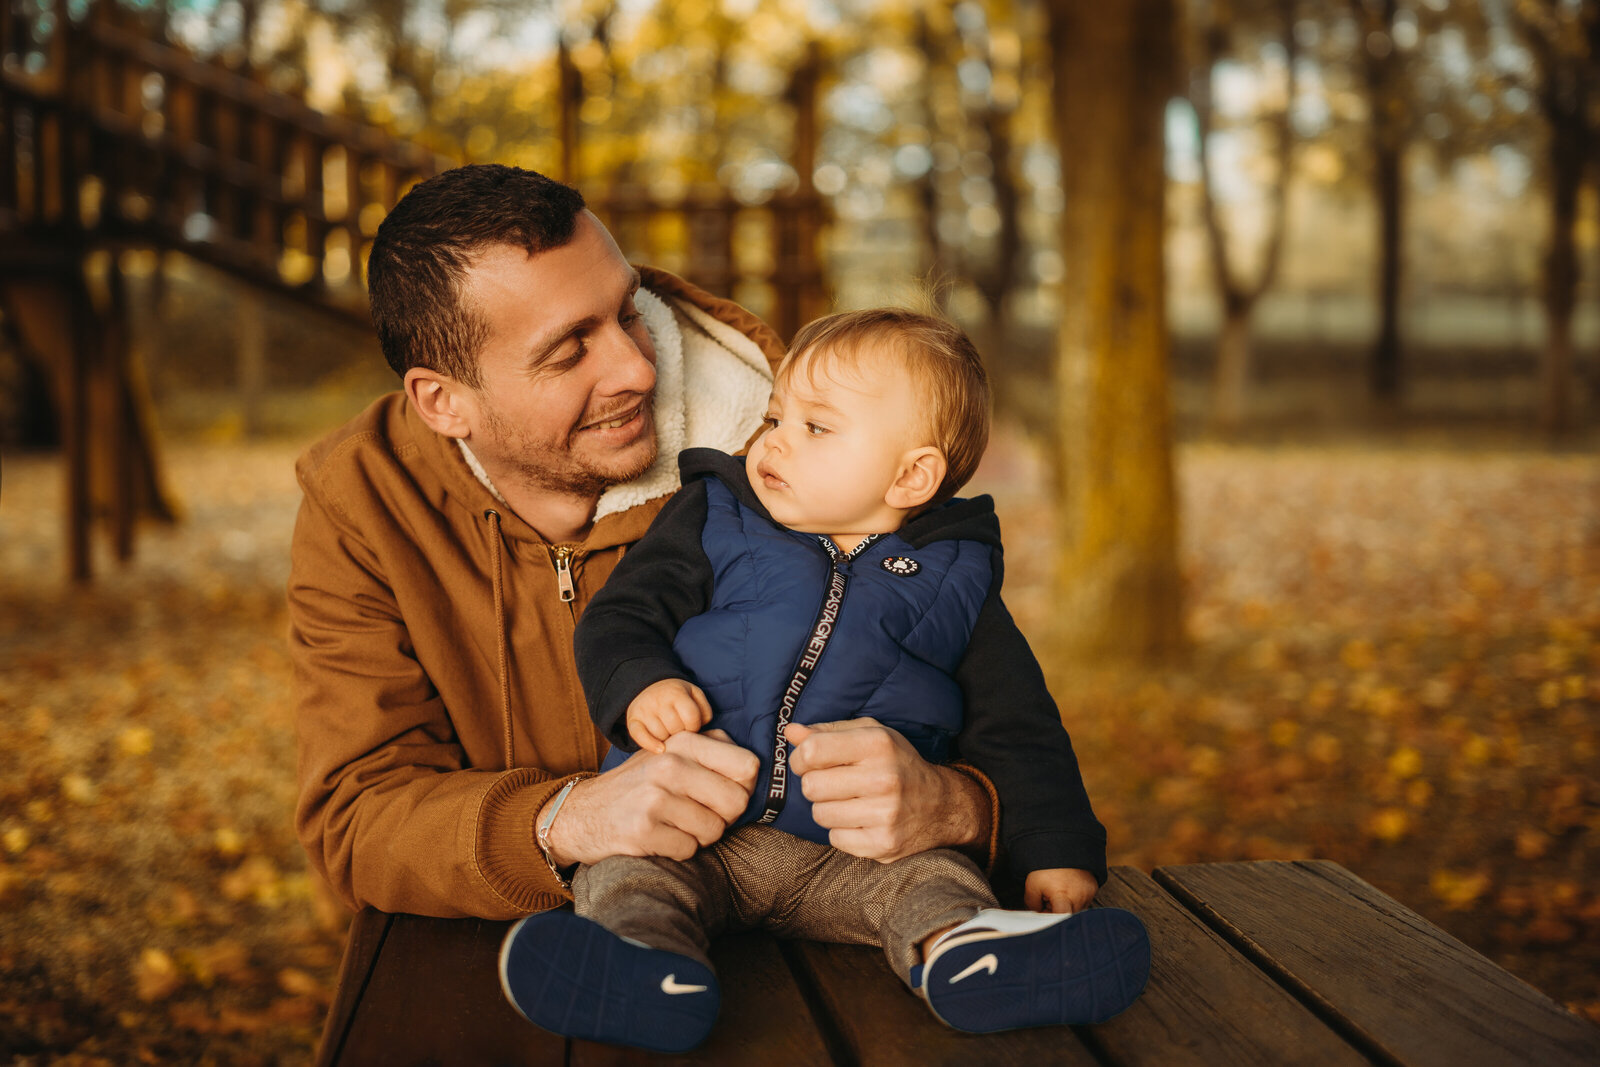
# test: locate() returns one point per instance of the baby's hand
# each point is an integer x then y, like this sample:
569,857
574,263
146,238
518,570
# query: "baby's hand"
664,708
1059,889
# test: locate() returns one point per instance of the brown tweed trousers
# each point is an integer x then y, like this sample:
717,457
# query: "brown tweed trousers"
760,878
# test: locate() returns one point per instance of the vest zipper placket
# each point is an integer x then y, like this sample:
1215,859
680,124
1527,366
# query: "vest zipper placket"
810,655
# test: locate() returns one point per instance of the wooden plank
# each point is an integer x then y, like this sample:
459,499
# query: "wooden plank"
434,997
1205,1002
1393,983
765,1019
362,943
880,1023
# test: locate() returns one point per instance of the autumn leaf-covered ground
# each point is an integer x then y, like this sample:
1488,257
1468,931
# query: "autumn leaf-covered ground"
1396,666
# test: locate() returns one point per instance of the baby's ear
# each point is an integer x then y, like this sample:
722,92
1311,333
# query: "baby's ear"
922,472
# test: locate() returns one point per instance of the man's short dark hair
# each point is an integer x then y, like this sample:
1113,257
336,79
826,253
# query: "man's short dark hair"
425,246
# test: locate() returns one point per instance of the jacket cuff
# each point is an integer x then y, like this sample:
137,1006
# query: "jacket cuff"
507,854
1053,849
986,849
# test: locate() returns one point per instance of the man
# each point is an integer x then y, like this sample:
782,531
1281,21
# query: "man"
452,533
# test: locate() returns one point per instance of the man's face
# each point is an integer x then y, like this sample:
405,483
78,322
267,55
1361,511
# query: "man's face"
567,371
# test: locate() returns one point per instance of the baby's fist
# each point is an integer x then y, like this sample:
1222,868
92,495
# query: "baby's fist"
664,708
1061,890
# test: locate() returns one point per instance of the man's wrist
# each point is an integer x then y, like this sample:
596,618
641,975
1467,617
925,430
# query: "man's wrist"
970,814
546,833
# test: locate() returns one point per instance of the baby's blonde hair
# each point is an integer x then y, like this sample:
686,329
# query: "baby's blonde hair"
939,358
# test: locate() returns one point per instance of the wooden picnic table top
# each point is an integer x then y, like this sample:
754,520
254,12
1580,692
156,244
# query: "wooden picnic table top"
1252,963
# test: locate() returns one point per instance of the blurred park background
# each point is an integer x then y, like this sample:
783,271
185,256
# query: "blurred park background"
1291,307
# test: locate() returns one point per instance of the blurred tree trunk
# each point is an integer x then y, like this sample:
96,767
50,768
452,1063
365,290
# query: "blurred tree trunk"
1568,149
1564,41
1119,588
1232,376
1384,76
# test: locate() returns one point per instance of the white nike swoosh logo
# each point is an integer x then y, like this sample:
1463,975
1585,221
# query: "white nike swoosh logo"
672,987
982,963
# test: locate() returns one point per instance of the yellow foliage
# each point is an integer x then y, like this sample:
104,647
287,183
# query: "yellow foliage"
1359,655
156,975
1532,843
1325,748
1458,889
136,741
1205,761
1389,825
78,789
16,840
228,841
1405,762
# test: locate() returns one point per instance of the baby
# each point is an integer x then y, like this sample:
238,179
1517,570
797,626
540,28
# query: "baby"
831,575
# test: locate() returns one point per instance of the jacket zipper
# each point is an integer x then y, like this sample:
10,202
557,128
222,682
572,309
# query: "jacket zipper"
777,784
561,555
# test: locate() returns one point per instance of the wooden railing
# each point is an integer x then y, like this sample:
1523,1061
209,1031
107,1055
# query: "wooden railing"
124,140
118,141
128,141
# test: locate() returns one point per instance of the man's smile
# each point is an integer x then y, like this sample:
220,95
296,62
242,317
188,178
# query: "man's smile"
618,421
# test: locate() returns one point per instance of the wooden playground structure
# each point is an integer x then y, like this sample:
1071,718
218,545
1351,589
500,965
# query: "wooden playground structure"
118,142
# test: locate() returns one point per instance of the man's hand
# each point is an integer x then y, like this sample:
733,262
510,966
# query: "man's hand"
657,805
1062,890
664,708
876,796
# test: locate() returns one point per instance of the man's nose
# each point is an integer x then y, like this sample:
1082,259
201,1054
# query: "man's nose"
627,368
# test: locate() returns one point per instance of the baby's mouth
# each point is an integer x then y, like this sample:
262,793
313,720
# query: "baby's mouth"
771,480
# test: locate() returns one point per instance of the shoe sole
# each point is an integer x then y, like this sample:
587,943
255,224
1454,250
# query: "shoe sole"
573,977
1083,970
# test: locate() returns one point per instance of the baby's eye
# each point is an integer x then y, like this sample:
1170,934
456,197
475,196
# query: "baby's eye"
769,421
814,430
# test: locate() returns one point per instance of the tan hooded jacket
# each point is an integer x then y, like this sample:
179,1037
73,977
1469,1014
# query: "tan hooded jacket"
438,707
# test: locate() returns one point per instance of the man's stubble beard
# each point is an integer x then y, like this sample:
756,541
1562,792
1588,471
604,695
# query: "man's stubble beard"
539,466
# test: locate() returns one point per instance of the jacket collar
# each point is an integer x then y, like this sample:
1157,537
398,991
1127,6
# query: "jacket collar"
961,519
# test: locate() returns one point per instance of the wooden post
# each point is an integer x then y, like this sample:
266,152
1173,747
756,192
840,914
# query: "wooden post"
120,443
252,368
570,90
75,427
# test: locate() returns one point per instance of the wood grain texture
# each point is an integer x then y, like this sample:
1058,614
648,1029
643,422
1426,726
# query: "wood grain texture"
1205,1002
434,998
880,1023
1393,983
362,943
765,1020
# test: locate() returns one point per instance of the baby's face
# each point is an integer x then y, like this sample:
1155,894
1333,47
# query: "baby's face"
837,435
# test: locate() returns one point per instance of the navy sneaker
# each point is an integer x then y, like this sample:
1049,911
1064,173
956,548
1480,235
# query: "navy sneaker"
574,977
1001,970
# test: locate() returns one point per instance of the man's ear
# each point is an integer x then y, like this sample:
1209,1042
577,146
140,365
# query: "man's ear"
442,401
922,472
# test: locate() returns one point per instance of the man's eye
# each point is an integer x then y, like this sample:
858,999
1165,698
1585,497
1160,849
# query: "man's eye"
628,319
580,348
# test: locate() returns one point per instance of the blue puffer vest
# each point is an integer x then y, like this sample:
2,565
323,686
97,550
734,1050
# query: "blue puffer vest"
891,624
